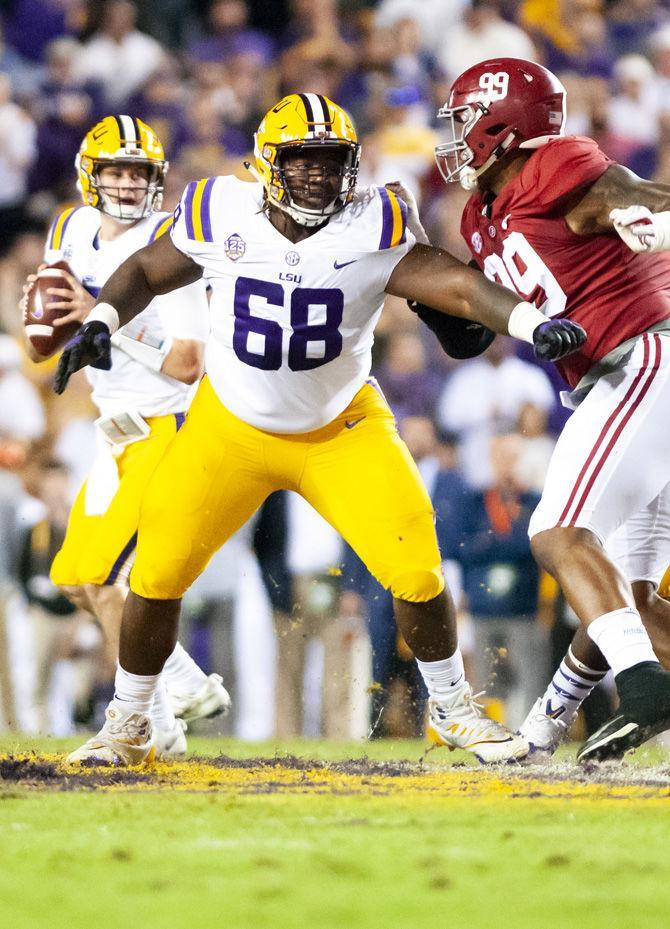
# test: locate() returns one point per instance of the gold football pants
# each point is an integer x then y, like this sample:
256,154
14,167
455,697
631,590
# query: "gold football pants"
97,549
356,472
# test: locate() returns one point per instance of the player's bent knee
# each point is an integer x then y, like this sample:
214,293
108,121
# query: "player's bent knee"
418,586
75,594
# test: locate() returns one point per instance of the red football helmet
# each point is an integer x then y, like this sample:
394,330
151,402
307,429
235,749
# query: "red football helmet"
493,108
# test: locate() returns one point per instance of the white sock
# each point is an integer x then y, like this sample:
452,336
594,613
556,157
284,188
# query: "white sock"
161,711
568,689
134,693
182,674
622,639
443,677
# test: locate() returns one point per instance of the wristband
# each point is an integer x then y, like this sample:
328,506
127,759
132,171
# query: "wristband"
151,356
524,320
104,313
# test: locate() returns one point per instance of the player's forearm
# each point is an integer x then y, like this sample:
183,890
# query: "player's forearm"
437,279
127,290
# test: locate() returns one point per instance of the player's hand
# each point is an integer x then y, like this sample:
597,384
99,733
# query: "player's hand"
557,338
74,298
27,287
405,194
636,226
90,346
413,221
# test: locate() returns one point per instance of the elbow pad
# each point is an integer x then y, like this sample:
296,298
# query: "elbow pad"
460,338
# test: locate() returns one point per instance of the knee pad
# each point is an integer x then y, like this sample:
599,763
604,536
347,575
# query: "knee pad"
418,586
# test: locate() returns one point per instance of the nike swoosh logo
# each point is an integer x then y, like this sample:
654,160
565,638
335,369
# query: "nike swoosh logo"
337,265
553,713
354,422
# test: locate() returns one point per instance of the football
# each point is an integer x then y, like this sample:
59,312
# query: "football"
39,316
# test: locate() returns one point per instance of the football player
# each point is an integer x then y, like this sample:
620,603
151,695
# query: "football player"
298,264
583,239
155,364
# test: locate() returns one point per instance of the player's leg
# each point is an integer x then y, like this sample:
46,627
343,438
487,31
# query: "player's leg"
207,485
363,480
99,546
639,548
609,463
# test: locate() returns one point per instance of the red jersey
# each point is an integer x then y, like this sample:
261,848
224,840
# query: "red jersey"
521,240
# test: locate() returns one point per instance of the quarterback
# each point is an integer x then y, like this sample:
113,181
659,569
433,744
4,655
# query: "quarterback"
298,264
583,238
142,400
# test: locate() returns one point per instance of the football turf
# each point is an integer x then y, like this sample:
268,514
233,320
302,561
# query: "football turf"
365,836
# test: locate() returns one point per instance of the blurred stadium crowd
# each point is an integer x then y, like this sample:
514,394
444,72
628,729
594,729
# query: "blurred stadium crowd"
284,611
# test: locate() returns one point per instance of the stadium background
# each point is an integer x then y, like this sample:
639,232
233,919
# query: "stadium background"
202,74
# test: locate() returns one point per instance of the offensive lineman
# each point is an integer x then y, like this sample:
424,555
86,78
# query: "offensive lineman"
298,265
554,218
156,362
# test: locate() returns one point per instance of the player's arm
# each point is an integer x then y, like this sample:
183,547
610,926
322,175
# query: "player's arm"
459,338
436,279
149,272
637,209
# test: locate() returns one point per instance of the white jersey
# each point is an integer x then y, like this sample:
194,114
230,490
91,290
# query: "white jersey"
292,323
182,314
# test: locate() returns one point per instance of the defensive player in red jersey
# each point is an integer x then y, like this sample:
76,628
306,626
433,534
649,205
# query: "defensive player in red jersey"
553,218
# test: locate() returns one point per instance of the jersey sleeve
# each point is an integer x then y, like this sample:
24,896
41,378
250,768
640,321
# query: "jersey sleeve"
53,248
390,237
560,168
162,225
191,228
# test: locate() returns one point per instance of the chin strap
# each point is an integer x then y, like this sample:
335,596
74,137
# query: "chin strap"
469,176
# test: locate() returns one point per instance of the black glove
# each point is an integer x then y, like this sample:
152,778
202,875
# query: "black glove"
557,338
90,346
460,338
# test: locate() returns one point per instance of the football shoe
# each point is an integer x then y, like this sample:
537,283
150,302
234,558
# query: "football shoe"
644,711
459,722
125,739
170,743
211,700
543,732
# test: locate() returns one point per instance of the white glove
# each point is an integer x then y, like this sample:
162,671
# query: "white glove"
639,228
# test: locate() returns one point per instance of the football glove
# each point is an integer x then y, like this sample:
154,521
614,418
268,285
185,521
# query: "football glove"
90,346
557,338
460,338
638,227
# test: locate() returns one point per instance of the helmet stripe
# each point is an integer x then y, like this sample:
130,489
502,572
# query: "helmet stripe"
320,114
128,134
326,113
309,112
138,133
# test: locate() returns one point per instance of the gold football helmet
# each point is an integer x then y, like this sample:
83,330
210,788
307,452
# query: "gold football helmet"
312,126
121,140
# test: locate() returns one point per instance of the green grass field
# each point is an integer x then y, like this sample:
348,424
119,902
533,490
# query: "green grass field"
266,839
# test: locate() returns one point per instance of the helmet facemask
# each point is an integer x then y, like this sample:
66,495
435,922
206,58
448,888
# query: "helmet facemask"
312,194
110,203
455,156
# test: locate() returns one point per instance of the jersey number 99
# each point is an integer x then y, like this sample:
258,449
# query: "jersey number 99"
300,358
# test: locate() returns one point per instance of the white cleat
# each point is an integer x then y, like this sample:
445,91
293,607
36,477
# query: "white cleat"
211,700
170,743
125,739
458,722
544,732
